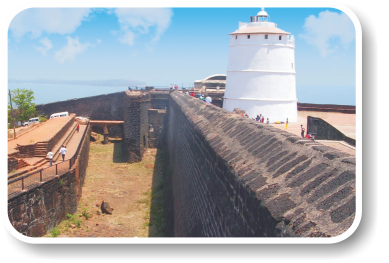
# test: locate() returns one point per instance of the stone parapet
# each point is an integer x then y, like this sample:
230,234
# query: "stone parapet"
234,177
37,210
326,108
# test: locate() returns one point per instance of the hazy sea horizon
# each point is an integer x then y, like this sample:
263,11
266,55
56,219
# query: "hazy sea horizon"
49,93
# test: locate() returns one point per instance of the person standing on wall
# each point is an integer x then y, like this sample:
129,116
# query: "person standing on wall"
78,127
63,151
302,131
267,121
286,124
50,155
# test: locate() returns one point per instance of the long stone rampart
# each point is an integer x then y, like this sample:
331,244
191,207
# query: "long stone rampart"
326,108
101,107
234,177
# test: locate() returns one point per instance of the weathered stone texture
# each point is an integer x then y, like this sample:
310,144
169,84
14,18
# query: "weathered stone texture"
35,212
136,125
234,177
102,107
156,121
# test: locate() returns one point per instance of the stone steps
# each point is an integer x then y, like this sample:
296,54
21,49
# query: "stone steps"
41,149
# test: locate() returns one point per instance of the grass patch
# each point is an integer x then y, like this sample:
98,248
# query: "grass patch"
85,213
73,220
55,232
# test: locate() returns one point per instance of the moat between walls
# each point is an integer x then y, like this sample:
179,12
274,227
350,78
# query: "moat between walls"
227,176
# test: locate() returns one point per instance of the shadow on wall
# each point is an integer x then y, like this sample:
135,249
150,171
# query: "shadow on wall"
325,131
157,214
117,150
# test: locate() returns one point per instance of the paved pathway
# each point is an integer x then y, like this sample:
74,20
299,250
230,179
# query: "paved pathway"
42,133
71,145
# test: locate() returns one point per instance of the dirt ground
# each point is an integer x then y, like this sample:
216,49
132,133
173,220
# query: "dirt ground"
134,191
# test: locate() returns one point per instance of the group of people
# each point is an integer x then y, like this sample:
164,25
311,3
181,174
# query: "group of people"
50,154
308,136
261,119
175,86
200,96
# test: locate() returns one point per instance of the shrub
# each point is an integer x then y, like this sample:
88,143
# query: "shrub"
54,232
86,214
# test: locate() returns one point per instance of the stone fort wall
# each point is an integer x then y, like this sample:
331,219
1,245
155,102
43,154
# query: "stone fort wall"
233,177
102,107
225,175
34,212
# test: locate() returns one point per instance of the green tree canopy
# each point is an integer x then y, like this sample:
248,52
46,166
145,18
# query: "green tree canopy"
23,101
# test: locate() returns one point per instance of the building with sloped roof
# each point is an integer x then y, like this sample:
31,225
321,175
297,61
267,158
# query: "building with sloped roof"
217,82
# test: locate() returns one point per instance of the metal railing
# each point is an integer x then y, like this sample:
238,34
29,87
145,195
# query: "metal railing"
31,180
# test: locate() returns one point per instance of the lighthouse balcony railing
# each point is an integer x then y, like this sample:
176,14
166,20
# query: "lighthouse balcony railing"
290,42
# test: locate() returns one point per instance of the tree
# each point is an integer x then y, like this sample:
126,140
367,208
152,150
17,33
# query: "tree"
23,101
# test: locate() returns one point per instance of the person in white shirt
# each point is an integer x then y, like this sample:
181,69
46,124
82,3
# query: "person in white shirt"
50,156
63,151
208,99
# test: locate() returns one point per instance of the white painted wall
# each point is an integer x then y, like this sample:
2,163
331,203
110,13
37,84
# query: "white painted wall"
274,110
260,85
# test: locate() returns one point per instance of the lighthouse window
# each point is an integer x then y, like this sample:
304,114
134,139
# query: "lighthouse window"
266,36
280,37
248,36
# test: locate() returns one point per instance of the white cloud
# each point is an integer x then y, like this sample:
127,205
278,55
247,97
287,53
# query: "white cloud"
127,37
35,21
46,46
328,31
134,21
73,48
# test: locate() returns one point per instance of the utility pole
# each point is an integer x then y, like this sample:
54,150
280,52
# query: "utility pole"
12,114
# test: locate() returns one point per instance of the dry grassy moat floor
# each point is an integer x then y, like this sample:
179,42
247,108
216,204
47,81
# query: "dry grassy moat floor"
134,191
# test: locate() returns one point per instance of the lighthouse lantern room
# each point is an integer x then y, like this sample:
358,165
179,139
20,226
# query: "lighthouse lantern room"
261,76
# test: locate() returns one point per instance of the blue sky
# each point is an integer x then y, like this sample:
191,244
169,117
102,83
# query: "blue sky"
179,45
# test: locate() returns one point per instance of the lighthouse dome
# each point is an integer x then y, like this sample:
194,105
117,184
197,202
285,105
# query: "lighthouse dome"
262,12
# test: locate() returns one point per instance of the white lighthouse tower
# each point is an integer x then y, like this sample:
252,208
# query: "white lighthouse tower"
261,76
